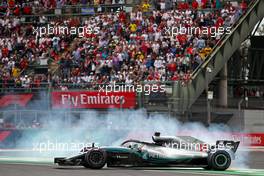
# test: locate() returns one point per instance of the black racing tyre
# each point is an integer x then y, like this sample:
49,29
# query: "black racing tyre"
220,160
86,165
95,159
208,167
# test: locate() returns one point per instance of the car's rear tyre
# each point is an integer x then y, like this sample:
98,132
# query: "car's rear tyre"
95,159
220,160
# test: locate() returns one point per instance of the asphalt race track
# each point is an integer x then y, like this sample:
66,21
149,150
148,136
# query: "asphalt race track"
35,168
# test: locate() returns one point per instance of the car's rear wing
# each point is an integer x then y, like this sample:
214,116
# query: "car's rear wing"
226,144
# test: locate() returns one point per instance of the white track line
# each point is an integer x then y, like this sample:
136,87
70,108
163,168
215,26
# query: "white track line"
194,173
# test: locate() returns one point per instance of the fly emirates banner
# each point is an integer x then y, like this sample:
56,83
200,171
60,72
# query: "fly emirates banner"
93,100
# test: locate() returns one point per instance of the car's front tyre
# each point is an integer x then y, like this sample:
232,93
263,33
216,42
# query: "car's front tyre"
95,159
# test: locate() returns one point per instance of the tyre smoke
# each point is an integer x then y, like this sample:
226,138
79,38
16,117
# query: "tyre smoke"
64,133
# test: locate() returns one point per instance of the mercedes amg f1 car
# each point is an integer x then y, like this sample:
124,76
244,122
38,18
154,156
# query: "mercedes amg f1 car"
163,151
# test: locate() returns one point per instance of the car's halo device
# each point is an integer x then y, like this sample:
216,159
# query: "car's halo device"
163,151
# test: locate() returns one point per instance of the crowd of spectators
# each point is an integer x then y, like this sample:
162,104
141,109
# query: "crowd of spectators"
135,47
20,48
128,48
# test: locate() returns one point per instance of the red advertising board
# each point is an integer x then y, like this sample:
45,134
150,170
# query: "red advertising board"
249,139
93,100
19,99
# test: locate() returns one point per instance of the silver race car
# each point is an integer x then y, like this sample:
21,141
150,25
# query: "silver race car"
163,151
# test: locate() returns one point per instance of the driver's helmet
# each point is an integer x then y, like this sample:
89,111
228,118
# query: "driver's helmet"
135,146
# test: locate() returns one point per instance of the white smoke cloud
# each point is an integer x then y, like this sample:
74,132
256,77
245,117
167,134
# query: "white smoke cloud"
61,135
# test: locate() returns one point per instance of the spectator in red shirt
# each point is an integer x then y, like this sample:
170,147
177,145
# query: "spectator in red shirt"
150,77
176,77
204,4
23,63
172,67
74,2
183,6
195,4
16,11
5,52
122,17
52,3
190,50
243,5
11,3
186,77
144,48
37,82
219,22
27,10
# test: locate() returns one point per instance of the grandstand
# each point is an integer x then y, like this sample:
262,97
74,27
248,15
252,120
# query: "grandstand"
51,47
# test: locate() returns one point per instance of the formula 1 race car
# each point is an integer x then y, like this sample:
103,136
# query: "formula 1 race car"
163,151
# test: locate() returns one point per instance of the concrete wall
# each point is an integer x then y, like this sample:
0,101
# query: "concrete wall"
237,121
253,120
